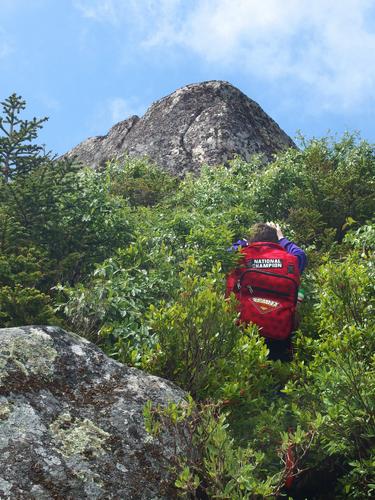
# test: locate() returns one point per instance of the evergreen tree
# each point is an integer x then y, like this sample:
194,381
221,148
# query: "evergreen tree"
18,155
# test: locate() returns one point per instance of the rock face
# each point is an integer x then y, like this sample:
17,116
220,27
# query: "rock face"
208,123
71,422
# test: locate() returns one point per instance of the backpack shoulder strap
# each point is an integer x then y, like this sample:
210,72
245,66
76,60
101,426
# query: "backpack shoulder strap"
269,244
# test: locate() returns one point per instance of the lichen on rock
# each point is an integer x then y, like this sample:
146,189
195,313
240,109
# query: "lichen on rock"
78,437
5,409
71,421
30,356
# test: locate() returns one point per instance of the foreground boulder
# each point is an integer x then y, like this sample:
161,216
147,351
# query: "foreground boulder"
71,421
207,122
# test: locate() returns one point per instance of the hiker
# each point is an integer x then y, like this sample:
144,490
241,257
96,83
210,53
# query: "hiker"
266,284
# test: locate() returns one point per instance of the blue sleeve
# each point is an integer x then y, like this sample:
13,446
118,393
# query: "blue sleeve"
293,249
238,245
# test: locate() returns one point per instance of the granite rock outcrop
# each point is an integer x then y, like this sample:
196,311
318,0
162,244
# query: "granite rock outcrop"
203,123
71,421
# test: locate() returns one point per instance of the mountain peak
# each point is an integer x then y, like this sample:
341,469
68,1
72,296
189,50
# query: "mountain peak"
202,123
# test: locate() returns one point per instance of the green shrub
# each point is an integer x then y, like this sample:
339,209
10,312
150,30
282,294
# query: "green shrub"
111,306
140,182
66,211
213,463
199,343
136,260
318,188
337,387
220,187
21,301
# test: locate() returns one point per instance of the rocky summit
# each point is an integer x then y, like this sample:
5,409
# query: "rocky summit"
71,421
203,123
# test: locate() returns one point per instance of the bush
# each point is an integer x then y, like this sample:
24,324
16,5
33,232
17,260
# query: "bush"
67,212
111,306
199,343
21,301
136,260
337,388
140,182
317,189
214,465
220,188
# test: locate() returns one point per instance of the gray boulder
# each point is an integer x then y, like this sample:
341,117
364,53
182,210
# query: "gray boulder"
71,421
207,122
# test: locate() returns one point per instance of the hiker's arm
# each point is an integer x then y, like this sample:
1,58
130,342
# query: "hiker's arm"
290,247
238,245
293,249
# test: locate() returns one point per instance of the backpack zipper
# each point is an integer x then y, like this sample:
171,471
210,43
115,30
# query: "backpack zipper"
260,289
268,274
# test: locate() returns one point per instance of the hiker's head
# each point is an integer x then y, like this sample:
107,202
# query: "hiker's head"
262,232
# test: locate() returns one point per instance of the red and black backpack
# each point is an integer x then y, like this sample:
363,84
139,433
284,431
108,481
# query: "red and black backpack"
266,286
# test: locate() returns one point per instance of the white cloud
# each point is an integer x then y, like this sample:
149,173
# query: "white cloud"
111,111
6,47
50,102
324,47
141,14
98,10
121,109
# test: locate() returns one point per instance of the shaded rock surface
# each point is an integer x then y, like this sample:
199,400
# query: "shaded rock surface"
71,421
208,122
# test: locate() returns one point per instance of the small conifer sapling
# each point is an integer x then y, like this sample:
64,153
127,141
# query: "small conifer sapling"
18,154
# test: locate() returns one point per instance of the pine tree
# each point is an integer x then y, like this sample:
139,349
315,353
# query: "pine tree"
18,154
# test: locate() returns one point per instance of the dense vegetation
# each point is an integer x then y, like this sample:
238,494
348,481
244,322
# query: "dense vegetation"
135,260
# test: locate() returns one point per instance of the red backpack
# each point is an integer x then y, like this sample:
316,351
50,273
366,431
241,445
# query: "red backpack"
266,286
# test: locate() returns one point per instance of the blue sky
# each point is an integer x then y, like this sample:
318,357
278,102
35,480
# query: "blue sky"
88,64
